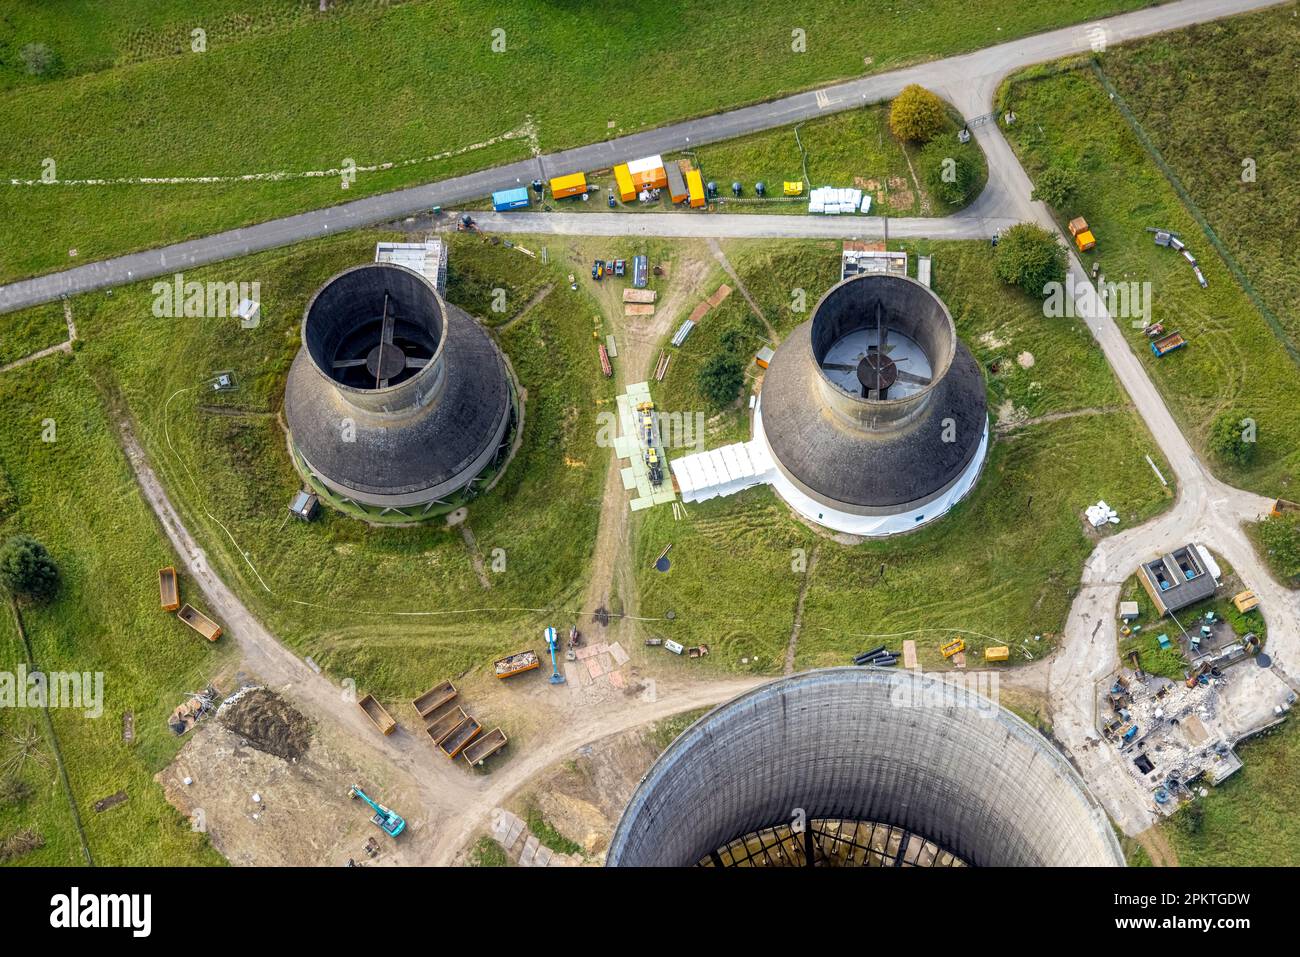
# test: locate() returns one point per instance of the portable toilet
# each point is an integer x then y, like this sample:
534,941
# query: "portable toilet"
505,199
571,185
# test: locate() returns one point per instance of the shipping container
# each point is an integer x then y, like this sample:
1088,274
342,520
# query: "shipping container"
510,199
695,186
572,185
648,173
676,185
623,179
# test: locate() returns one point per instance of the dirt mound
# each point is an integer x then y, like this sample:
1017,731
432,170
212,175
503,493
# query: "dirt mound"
267,722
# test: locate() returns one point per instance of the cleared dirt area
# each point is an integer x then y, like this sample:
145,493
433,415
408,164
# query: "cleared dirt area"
271,789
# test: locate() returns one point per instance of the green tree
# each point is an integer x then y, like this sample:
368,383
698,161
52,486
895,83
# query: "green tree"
1232,439
1029,256
27,570
917,115
950,172
721,378
1056,186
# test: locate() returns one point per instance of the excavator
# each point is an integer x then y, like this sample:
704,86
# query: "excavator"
390,822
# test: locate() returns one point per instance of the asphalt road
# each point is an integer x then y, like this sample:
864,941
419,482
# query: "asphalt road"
969,81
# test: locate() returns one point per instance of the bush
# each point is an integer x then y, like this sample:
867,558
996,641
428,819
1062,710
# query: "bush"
1056,186
721,378
1228,440
1029,256
27,570
14,791
917,115
20,843
39,59
950,171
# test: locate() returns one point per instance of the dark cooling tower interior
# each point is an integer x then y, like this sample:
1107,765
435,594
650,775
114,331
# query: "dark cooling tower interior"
859,753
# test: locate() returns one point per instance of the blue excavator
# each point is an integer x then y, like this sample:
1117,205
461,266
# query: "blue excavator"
388,821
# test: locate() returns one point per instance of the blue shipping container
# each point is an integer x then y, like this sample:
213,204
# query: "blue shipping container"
510,199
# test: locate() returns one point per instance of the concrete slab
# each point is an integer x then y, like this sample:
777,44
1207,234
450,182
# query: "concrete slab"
619,654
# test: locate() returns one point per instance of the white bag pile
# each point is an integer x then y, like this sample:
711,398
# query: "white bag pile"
832,201
1100,514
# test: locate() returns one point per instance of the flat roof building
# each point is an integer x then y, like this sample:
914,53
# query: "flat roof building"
1181,578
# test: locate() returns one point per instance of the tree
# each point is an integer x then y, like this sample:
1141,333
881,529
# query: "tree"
721,378
1029,256
1056,186
917,115
1230,441
950,172
27,570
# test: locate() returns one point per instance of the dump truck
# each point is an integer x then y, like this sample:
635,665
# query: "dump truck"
460,736
200,622
516,664
380,718
1167,344
168,591
483,747
434,698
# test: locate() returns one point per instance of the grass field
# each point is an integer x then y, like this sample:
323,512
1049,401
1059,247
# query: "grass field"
31,330
401,83
1233,361
739,563
76,494
332,588
1212,97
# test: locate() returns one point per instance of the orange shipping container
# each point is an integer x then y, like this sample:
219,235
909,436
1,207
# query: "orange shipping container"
648,173
572,185
695,185
626,191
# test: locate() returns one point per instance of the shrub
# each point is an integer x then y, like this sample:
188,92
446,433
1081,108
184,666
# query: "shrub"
1056,186
950,171
1029,256
1228,440
14,791
721,378
917,115
27,570
38,59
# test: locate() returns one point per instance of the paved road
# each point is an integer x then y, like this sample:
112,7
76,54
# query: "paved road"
969,81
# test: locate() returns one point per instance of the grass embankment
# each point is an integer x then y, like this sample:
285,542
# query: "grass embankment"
77,495
1000,569
399,83
1213,97
1233,360
332,587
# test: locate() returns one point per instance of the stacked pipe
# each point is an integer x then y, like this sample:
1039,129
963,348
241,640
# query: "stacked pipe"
878,657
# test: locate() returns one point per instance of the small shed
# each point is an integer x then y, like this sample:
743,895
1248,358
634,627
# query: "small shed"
305,505
695,188
764,356
1128,610
1245,601
623,182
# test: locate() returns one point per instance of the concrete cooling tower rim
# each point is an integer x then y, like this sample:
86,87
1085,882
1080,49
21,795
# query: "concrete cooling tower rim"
866,745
